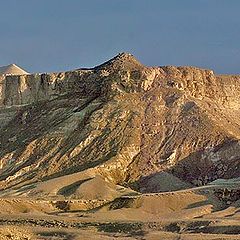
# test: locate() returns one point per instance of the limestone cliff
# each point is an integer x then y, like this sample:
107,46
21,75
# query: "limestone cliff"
122,120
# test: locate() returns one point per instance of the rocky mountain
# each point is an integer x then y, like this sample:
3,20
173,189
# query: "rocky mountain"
151,129
121,151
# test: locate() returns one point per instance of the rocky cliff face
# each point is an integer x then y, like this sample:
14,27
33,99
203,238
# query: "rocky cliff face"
122,120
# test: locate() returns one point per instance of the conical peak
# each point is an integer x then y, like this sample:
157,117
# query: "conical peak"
12,69
123,60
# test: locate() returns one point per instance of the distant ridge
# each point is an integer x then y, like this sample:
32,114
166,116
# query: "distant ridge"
12,69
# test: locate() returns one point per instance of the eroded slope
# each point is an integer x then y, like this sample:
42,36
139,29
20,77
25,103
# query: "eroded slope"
123,121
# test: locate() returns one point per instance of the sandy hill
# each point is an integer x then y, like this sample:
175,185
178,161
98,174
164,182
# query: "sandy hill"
12,69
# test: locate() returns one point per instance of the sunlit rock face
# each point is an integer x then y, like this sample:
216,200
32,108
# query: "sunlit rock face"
121,120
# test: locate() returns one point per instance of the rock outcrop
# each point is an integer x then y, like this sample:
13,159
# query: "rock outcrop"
121,120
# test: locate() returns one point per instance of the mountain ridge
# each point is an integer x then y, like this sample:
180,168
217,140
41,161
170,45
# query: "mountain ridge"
121,120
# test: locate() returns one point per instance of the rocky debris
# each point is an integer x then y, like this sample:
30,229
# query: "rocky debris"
216,171
78,205
228,196
215,165
15,233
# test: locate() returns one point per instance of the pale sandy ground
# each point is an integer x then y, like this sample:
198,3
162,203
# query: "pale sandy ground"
142,221
16,233
189,214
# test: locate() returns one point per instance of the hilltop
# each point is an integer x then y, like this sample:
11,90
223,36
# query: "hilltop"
12,69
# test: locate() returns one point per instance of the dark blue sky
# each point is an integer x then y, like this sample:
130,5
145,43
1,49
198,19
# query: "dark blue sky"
54,35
